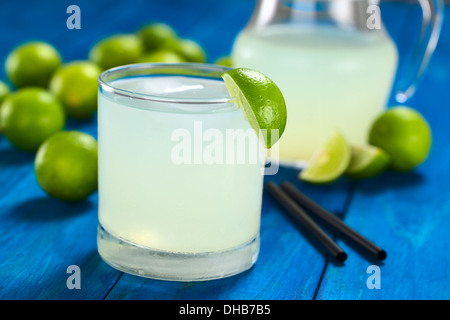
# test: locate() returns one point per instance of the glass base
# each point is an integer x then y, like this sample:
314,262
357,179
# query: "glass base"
150,263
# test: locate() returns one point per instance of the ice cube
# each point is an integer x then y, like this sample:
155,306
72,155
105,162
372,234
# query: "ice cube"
175,87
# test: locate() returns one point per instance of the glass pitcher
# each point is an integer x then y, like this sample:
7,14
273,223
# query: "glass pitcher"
335,64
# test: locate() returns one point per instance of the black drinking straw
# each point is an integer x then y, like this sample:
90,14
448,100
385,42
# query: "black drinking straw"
299,214
331,219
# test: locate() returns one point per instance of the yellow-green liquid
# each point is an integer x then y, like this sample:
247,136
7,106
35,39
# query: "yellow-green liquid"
330,79
148,199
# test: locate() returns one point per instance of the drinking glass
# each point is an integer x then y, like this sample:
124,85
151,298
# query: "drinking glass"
180,174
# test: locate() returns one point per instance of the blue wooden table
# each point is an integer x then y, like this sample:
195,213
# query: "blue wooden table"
408,214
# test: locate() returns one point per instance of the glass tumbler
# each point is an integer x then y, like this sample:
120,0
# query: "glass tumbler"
180,174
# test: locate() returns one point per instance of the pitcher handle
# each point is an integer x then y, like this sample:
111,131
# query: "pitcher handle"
432,15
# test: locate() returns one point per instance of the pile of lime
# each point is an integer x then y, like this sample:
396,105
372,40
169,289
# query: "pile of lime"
33,117
399,139
155,42
48,90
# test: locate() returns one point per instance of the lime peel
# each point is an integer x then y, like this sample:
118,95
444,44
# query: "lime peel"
367,161
261,102
404,134
66,165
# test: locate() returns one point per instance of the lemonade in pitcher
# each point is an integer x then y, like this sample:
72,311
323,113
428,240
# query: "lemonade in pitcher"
335,64
329,78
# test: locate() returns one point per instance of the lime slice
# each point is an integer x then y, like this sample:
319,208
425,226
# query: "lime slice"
367,161
329,162
261,101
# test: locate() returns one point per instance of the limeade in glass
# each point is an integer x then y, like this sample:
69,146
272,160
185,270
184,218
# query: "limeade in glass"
170,207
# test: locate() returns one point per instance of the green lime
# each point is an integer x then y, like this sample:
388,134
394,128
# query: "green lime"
29,116
116,51
224,61
75,84
4,91
329,162
32,64
261,101
66,165
157,36
404,134
367,161
162,55
191,51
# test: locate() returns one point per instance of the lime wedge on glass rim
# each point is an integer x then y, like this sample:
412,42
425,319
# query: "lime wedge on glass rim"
329,162
367,161
261,101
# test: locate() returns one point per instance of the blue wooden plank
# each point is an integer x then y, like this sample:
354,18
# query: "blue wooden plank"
28,20
42,236
408,214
